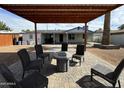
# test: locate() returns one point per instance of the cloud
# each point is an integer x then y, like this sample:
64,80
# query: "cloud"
117,17
96,24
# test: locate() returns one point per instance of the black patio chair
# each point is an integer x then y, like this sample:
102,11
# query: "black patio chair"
40,53
64,47
34,80
28,64
108,74
79,53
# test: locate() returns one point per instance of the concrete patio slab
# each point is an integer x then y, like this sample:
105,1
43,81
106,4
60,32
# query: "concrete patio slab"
76,77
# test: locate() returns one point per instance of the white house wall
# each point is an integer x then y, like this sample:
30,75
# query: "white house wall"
117,39
97,37
89,37
38,38
42,38
64,38
27,40
78,39
57,40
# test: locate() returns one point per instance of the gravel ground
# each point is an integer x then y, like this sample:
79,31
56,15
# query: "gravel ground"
113,56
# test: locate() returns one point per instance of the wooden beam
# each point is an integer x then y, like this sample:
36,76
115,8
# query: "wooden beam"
61,10
61,20
81,14
76,19
57,17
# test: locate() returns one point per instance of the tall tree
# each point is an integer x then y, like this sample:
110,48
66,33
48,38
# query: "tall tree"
3,26
106,32
121,27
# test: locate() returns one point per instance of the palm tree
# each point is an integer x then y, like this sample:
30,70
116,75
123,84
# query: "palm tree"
106,32
3,26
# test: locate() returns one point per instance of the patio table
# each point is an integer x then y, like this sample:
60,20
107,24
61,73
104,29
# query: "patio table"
62,58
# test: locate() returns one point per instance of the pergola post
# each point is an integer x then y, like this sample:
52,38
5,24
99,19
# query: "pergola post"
85,36
106,31
35,27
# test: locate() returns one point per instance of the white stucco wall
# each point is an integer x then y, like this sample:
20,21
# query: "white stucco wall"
97,37
78,39
64,38
117,39
90,37
41,38
57,39
26,38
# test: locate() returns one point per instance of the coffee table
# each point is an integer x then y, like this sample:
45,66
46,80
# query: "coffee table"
62,58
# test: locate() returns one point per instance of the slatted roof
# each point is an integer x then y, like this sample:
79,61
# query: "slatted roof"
59,13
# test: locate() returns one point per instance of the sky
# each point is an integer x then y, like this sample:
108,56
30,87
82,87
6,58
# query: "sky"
17,23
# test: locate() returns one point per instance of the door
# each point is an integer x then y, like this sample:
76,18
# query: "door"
61,38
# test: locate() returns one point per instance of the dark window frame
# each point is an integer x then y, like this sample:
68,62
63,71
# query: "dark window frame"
71,36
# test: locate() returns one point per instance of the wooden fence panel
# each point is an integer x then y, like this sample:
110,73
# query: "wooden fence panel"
6,39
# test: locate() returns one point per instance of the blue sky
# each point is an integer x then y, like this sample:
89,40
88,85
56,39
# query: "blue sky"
17,23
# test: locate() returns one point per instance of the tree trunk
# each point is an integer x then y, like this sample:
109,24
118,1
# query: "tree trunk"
106,31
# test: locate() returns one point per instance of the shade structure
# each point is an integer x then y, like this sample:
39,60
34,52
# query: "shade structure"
59,13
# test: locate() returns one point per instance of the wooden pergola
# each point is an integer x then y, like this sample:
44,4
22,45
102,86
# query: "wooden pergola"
60,13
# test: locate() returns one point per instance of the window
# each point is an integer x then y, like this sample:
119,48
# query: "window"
71,36
30,36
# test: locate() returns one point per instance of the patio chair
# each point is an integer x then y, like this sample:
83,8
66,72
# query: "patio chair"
34,80
28,64
40,53
79,53
108,74
64,47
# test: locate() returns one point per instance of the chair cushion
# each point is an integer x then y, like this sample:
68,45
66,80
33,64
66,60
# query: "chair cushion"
103,72
102,69
34,80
